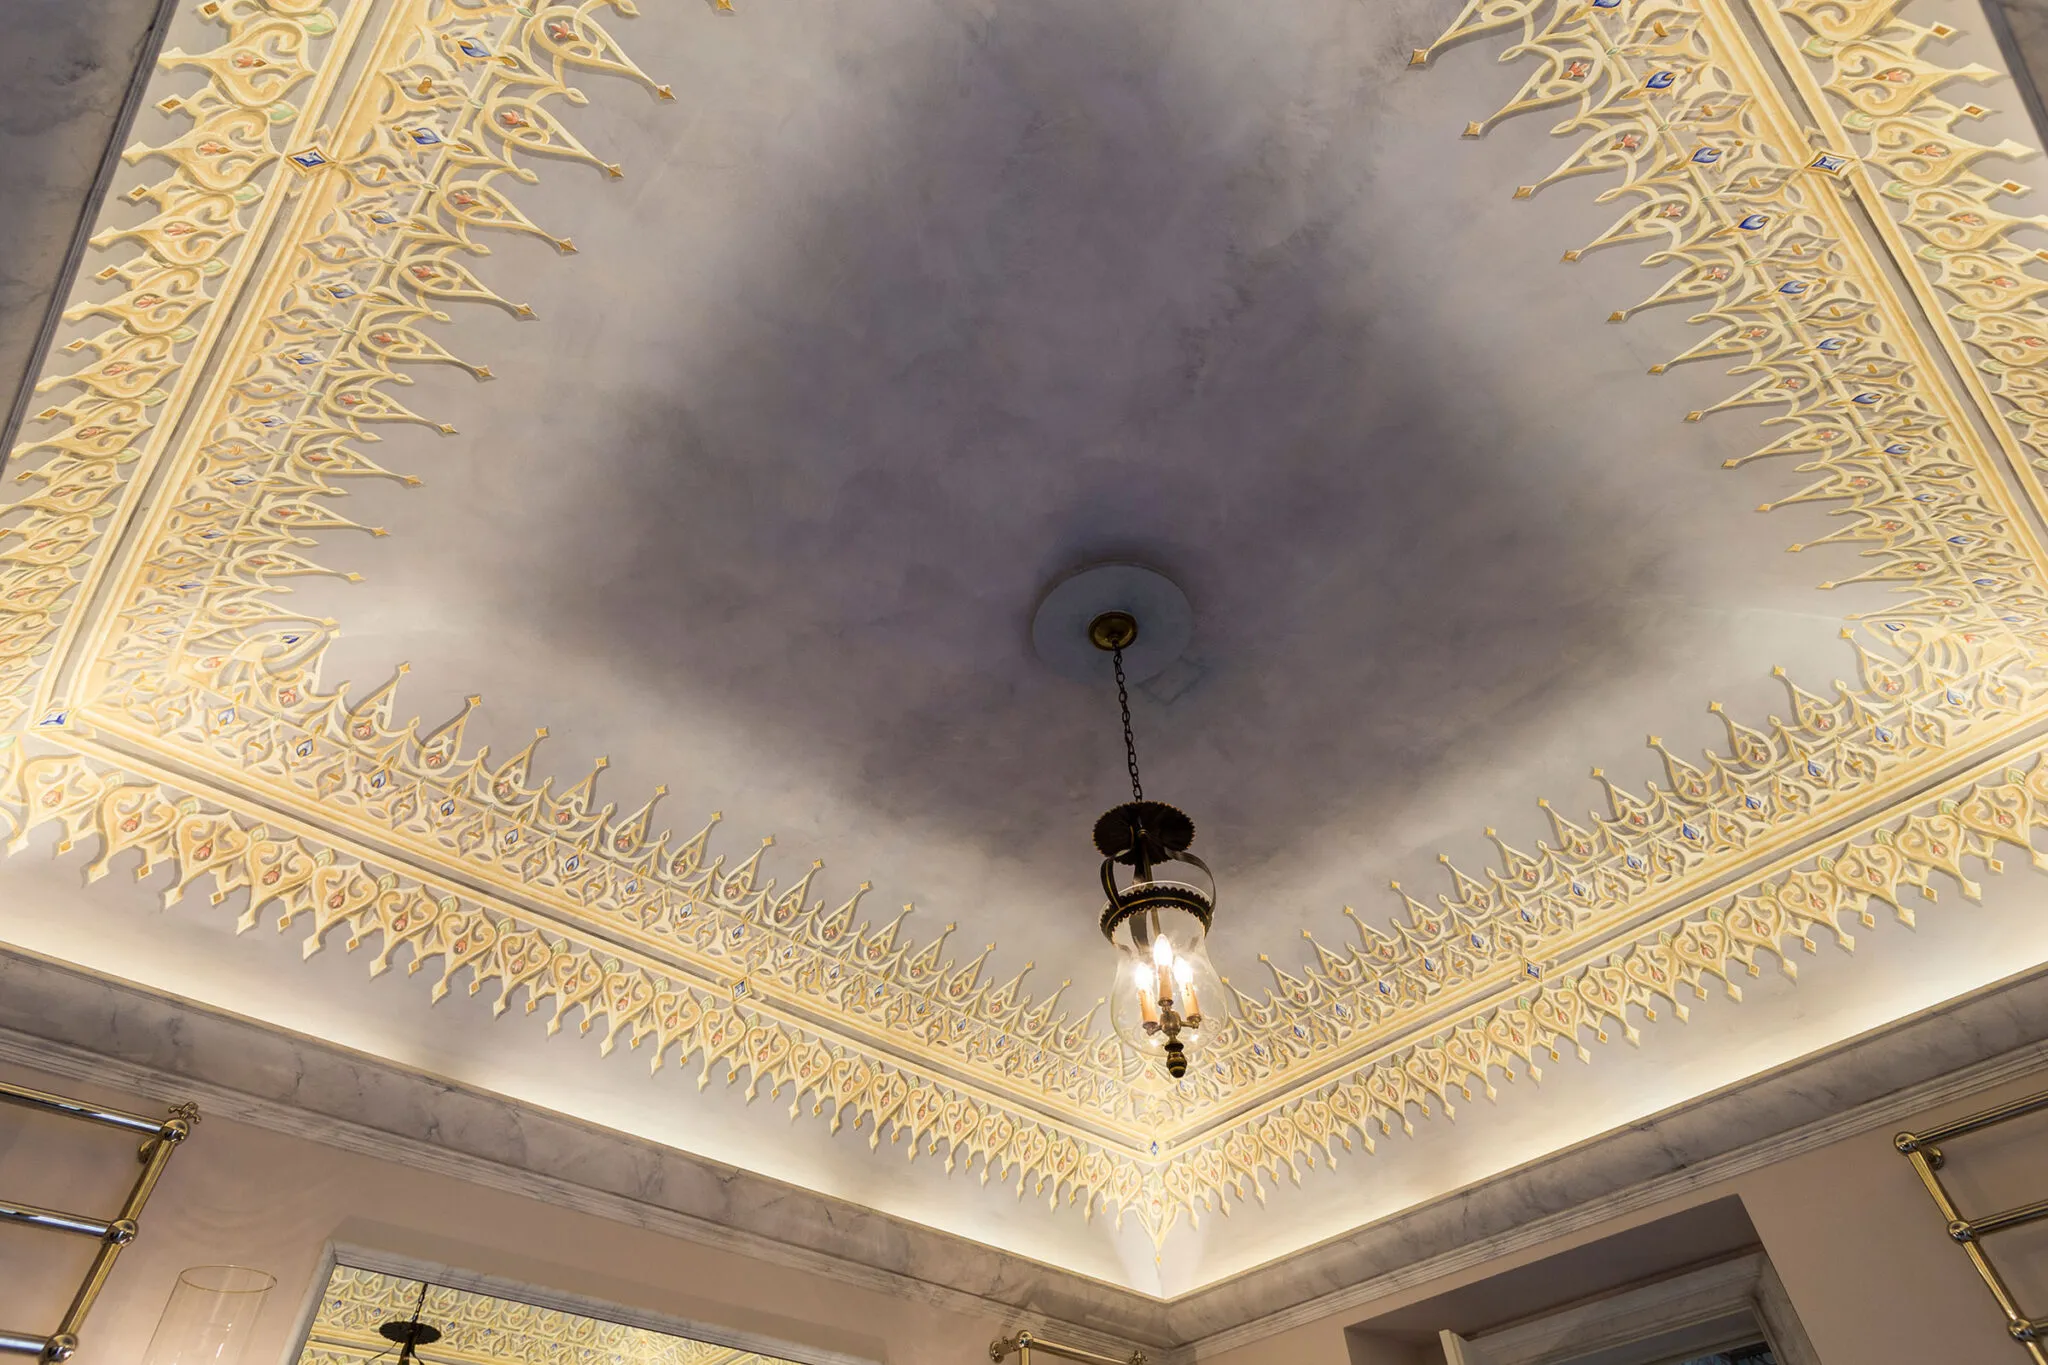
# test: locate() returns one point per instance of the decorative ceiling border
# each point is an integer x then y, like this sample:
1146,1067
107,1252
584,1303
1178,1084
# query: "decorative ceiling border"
1795,903
201,736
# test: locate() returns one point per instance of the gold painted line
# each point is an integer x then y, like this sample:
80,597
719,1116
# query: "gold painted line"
280,249
913,1060
2031,746
1786,48
120,537
358,123
392,32
1764,93
490,880
716,970
1909,335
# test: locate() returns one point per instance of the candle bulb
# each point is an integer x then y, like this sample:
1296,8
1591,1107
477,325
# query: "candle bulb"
1184,973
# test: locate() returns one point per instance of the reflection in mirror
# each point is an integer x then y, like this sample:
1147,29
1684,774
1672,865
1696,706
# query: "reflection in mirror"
365,1316
1756,1353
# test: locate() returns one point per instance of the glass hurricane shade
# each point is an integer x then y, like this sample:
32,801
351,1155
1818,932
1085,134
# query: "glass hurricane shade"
1163,974
210,1318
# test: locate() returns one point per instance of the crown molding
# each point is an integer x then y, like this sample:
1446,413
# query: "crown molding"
63,1020
150,44
66,1021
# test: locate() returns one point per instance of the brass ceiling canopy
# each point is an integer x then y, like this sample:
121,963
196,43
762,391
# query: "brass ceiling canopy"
1113,630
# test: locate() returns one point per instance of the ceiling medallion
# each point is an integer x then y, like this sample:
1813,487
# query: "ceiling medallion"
1167,1000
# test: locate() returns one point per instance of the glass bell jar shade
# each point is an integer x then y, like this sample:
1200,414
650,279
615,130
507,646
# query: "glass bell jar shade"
211,1316
1167,1001
1159,900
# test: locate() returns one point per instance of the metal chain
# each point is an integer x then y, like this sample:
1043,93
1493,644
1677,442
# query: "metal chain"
1123,701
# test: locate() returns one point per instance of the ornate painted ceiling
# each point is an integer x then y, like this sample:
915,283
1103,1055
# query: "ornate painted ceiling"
715,388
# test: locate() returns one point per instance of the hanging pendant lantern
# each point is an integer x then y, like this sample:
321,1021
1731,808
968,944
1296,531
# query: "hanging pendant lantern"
1167,1001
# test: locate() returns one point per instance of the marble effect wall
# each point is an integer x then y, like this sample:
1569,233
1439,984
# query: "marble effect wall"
65,72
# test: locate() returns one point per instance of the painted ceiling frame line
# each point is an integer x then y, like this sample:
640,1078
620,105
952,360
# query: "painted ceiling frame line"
1825,107
1658,903
397,27
1731,46
1889,786
1907,332
119,747
138,743
1828,132
423,857
277,234
231,823
1800,881
158,444
164,512
139,750
1902,789
404,23
1671,37
113,721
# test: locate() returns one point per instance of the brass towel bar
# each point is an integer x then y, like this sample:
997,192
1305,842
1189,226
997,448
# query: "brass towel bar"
1024,1343
161,1138
1924,1151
